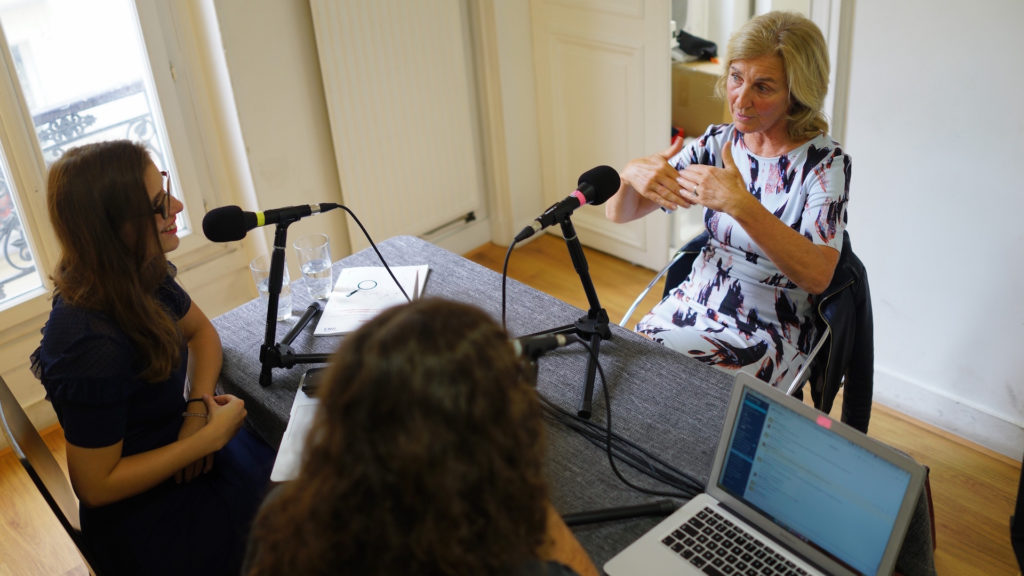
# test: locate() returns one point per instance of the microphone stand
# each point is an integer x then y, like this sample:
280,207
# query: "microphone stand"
280,355
591,328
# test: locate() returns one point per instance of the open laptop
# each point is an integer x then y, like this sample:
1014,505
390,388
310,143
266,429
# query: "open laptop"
812,496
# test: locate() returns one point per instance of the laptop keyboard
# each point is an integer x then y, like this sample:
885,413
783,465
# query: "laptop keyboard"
719,547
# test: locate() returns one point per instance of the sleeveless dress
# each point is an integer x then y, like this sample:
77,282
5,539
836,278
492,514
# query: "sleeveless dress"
736,310
89,368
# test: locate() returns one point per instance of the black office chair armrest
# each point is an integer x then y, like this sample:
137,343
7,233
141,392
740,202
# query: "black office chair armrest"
680,269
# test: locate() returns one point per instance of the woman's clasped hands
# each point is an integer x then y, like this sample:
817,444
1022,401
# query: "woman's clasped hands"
225,415
227,412
720,189
653,178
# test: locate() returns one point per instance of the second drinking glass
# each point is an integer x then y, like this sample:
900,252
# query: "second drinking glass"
314,253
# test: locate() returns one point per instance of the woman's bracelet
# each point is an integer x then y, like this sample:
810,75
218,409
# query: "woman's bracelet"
191,400
195,415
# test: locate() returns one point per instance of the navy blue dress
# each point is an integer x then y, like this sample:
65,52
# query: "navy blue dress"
89,368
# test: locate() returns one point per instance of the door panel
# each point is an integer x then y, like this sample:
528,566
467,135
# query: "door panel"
604,95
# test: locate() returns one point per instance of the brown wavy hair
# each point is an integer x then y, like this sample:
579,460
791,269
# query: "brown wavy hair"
801,46
111,259
425,456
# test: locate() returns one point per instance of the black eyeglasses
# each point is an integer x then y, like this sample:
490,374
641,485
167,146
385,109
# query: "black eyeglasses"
162,205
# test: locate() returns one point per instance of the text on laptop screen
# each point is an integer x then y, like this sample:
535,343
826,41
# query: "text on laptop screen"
826,490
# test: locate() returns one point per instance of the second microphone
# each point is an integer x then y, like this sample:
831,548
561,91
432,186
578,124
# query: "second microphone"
594,187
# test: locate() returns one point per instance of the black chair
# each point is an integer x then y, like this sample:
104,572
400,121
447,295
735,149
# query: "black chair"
1017,522
42,467
846,359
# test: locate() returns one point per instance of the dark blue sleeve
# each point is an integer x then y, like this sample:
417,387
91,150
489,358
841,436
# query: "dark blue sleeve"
559,569
173,296
86,365
89,368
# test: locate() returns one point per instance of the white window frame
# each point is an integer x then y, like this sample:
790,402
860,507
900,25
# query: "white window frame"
176,63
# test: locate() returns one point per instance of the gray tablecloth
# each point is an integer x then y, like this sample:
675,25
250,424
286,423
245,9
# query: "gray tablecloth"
660,399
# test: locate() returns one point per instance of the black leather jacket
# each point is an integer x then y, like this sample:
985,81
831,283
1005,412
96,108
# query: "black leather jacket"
845,307
849,354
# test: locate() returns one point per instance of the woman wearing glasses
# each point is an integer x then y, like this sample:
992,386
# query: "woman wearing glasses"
167,481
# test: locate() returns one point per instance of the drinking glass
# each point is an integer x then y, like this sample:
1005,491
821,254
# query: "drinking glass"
315,262
260,268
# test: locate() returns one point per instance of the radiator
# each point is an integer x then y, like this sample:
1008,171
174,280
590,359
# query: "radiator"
401,101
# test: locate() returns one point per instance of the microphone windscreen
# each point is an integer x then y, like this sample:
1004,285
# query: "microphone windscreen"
605,181
227,224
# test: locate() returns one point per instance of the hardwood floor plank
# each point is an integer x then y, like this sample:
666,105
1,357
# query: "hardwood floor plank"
32,541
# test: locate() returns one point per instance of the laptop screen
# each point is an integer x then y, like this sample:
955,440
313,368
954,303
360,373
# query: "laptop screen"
826,490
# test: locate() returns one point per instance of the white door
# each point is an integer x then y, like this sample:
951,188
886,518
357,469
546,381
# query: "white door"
603,76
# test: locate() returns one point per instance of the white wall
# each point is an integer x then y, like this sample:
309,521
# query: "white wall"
521,139
271,58
935,126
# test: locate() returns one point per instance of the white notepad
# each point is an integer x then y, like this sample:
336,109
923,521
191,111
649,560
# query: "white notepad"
289,454
363,292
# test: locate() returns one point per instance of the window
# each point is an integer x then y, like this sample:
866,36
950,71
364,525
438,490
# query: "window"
18,274
76,72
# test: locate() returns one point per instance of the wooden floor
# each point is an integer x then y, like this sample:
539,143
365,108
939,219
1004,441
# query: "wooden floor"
973,489
32,541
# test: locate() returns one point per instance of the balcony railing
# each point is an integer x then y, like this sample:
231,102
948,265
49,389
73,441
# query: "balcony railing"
123,112
120,113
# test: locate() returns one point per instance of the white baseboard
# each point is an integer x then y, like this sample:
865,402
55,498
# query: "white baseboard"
955,415
465,237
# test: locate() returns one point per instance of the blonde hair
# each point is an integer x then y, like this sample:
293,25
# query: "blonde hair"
799,43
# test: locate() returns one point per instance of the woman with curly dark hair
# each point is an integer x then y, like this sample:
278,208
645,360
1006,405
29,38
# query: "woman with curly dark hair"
425,458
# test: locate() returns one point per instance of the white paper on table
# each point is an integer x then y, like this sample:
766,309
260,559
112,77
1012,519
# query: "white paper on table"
289,454
363,292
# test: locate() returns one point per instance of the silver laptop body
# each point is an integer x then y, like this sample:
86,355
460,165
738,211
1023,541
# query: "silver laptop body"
824,497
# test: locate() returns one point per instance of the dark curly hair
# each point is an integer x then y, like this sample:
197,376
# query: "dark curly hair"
425,456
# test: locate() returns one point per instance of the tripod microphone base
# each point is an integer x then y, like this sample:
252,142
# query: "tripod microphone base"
591,328
280,355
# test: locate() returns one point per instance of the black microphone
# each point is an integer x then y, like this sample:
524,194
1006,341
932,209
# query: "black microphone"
230,223
594,187
533,347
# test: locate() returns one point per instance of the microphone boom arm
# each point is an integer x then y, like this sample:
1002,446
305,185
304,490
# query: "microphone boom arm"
273,354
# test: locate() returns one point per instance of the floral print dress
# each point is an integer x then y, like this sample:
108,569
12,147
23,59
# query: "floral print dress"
736,310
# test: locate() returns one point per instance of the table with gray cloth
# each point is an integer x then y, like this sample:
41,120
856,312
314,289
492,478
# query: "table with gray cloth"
666,402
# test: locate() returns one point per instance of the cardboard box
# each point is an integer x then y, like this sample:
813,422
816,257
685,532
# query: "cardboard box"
694,104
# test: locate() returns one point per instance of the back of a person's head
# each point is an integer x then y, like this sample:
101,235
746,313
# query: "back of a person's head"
425,456
798,41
